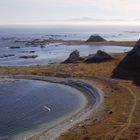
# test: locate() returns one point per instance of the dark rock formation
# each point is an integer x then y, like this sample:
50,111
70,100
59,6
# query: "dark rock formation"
14,47
6,55
42,42
29,56
73,57
100,56
31,51
129,67
37,42
95,38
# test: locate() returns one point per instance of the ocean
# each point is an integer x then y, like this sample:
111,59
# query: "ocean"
114,32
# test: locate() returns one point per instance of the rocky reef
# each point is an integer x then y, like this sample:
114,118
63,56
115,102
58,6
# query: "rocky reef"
6,55
29,56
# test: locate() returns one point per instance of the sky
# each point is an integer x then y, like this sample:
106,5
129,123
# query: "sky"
45,11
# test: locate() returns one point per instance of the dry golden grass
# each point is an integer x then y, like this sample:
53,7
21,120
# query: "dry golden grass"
118,103
67,70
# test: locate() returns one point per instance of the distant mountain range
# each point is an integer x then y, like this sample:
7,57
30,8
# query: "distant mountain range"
95,19
87,20
90,19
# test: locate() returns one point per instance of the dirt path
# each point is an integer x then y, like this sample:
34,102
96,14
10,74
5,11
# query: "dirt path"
129,120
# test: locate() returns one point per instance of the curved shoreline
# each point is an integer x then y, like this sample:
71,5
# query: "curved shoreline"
92,106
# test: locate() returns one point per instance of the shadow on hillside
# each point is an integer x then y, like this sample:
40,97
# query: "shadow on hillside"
128,69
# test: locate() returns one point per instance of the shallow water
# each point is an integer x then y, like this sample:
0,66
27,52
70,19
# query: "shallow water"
58,53
52,53
27,104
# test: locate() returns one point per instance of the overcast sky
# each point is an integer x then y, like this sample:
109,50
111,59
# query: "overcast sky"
32,11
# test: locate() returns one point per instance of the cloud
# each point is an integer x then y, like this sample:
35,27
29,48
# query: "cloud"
25,10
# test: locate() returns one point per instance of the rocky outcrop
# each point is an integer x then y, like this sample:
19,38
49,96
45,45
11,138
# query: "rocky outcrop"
129,67
95,38
73,57
100,56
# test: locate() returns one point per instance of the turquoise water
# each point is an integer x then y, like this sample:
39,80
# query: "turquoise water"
25,105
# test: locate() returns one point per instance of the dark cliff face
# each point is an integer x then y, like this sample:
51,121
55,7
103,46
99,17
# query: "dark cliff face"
129,67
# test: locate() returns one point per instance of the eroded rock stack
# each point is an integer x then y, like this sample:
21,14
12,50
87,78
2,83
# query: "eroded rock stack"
73,57
100,56
95,38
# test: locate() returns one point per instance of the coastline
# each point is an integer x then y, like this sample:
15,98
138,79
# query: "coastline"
110,43
92,107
